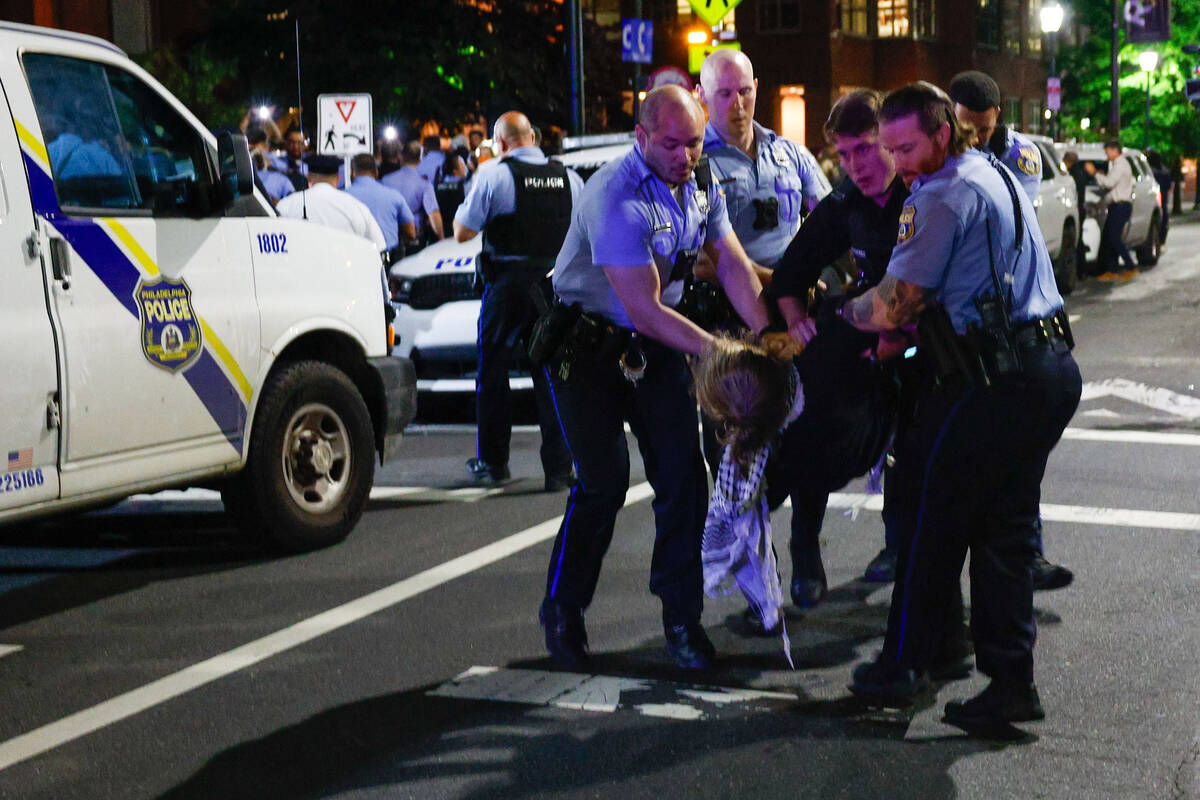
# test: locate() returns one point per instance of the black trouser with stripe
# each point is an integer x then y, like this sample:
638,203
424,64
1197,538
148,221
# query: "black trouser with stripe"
972,481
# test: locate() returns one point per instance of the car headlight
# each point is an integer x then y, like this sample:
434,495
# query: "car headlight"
401,289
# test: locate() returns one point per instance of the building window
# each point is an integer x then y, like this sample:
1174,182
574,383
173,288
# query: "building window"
892,18
1036,118
1012,112
1033,28
792,113
1010,26
854,17
988,23
779,15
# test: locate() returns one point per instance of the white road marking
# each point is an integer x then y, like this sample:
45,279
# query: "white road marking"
9,649
89,720
1089,515
1139,437
603,694
1073,318
1099,412
1165,400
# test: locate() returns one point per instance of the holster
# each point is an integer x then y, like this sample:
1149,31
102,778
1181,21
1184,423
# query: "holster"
954,362
706,305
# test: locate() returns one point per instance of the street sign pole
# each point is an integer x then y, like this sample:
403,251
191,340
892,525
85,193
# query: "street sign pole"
637,68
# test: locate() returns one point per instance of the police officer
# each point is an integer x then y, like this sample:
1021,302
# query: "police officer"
768,181
292,163
861,217
327,205
387,205
274,183
523,208
418,193
1002,387
977,102
633,236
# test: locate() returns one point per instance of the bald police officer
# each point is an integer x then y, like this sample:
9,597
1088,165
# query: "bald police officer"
977,102
634,235
1001,387
523,206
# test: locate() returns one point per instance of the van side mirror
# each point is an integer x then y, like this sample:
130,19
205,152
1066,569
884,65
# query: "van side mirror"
237,171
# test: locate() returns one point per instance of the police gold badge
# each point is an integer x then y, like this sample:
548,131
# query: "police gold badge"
905,231
171,337
1027,161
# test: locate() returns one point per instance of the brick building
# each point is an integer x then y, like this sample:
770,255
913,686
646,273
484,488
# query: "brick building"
134,25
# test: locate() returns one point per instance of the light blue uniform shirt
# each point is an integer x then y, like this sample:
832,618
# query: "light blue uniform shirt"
1024,159
276,183
417,191
387,206
494,193
942,242
782,169
71,157
627,217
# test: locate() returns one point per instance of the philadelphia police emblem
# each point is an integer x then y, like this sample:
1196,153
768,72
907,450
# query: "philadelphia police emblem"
906,228
1028,161
171,336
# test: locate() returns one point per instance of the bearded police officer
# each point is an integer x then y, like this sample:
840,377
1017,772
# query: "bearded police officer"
971,267
634,235
523,206
977,102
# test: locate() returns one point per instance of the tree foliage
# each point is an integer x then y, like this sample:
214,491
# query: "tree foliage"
1087,82
419,60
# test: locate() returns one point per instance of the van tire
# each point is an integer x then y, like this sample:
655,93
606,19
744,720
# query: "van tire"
311,461
1147,254
1066,274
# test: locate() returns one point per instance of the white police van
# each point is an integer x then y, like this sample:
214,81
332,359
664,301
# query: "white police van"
437,300
161,326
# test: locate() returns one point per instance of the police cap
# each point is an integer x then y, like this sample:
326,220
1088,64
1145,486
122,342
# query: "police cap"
975,90
323,165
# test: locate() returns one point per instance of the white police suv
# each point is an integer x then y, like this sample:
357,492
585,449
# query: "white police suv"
437,301
162,326
1058,213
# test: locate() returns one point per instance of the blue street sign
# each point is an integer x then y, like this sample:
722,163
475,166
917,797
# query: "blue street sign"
637,40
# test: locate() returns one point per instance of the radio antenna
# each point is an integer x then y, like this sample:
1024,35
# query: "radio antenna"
300,109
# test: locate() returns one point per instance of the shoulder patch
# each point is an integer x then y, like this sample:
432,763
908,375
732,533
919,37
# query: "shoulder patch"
907,224
1028,160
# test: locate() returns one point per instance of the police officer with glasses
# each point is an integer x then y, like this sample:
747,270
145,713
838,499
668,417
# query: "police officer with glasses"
634,236
971,268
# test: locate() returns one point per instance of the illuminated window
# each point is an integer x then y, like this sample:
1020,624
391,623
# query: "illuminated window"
905,18
924,19
854,17
683,8
1012,112
1033,28
1035,118
988,23
792,113
1010,25
779,15
892,18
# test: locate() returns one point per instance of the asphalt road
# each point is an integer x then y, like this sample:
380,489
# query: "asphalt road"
147,652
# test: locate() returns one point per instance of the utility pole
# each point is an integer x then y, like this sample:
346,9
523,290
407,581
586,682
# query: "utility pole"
1114,121
637,67
575,49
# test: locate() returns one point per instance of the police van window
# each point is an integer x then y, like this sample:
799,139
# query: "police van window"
89,162
1048,161
114,143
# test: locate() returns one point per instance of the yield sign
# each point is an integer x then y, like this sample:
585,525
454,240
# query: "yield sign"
346,108
713,11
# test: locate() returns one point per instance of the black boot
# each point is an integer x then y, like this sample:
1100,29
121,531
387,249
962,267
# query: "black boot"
996,706
809,585
688,644
887,683
1047,576
566,639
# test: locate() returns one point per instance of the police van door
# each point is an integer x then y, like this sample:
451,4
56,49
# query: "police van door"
154,293
28,393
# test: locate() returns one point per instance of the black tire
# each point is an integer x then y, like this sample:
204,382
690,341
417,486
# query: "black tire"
311,462
1066,273
1147,254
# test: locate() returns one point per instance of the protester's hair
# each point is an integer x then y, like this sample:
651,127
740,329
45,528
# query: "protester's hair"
255,135
855,114
933,109
745,391
431,143
1070,157
975,90
411,154
1113,144
389,152
664,97
364,163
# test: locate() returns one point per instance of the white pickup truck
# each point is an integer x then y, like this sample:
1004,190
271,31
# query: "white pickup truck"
162,327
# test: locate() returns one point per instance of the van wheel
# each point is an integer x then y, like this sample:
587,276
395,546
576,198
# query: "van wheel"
1066,275
1147,254
311,462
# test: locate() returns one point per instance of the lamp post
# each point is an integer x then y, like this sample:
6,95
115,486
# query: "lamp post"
1147,60
1052,19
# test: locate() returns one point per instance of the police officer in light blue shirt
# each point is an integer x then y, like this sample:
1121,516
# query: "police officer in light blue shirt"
634,235
977,102
971,268
768,181
387,205
418,193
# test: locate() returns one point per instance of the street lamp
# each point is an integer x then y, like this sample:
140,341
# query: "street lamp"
1052,19
1147,60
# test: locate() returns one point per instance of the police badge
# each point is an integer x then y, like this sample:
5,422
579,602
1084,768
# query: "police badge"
171,337
1028,161
906,229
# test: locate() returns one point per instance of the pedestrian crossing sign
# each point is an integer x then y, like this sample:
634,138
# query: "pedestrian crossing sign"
713,11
